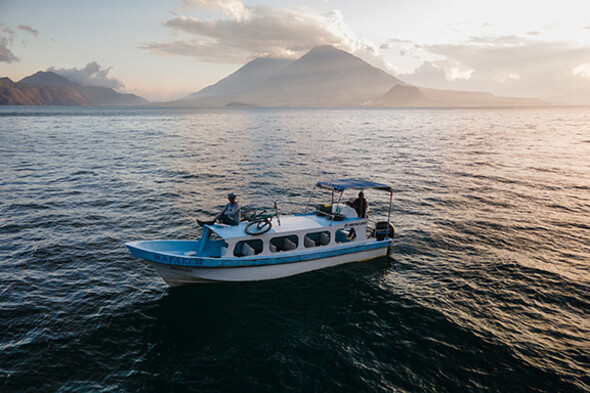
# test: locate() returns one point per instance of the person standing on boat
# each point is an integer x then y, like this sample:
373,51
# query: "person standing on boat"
360,205
230,214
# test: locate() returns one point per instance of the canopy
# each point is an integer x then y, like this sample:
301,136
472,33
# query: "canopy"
346,184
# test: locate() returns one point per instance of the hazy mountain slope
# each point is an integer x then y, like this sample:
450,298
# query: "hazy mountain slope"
101,96
470,98
325,76
244,78
403,95
48,88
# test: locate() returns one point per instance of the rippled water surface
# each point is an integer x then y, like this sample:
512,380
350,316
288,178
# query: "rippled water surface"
487,286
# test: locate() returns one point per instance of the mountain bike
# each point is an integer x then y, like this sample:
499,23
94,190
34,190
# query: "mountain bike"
261,222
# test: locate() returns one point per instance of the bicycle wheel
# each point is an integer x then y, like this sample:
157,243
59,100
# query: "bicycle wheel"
258,227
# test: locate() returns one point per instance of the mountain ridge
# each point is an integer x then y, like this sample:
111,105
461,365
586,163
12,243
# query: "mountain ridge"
323,77
48,78
415,96
49,88
327,76
244,78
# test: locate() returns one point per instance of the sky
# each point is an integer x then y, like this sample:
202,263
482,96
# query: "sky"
167,49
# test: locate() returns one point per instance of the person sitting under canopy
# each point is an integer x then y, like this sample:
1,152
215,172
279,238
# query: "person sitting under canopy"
360,205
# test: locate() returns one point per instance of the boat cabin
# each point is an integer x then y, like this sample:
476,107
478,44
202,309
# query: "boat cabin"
301,232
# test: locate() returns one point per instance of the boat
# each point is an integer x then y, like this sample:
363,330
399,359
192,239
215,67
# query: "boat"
274,247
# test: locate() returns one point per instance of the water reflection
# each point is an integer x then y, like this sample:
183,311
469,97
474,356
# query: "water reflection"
487,286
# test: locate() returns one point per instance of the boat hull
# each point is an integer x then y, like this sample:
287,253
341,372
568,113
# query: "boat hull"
175,275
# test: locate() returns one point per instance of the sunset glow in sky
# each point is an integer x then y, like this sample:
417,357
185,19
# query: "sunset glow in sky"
169,48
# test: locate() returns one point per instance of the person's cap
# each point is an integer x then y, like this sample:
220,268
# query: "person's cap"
231,195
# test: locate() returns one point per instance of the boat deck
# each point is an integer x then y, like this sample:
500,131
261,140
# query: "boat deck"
290,223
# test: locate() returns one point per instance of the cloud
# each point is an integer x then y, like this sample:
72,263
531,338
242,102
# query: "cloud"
234,8
393,42
258,31
428,74
29,29
506,65
582,70
7,31
6,56
6,38
91,75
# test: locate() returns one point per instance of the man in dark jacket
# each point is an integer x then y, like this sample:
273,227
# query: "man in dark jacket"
360,204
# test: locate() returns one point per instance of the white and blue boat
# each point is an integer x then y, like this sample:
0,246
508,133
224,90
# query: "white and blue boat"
274,247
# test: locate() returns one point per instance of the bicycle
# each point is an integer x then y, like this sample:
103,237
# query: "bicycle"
260,223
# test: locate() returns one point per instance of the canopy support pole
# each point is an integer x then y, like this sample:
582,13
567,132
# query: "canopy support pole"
309,200
389,213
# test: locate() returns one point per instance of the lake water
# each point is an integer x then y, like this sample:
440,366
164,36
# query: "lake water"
486,288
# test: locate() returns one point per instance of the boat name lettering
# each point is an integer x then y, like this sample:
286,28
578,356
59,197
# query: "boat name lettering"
355,224
175,260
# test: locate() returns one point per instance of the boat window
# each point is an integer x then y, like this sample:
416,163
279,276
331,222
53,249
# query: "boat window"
345,235
316,239
248,247
284,243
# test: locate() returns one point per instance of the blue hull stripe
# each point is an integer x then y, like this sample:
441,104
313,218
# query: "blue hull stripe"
188,261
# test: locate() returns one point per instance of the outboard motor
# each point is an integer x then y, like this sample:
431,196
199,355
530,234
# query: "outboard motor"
382,230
